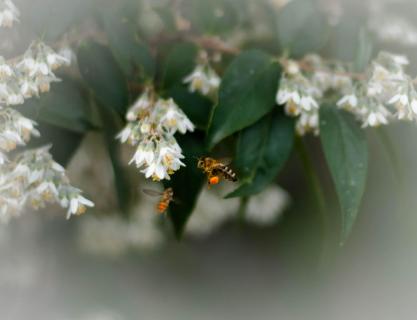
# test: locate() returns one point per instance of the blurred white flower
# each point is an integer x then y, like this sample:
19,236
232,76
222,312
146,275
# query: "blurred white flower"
348,102
375,117
385,92
203,79
78,205
34,178
113,236
9,14
210,213
265,208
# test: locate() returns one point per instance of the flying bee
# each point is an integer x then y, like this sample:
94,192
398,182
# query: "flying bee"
216,169
166,197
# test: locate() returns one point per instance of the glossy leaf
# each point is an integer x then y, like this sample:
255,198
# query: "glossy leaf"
262,151
65,106
187,182
195,106
179,63
346,151
247,93
103,76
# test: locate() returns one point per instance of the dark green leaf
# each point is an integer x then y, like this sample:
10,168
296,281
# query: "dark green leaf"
64,142
346,150
103,76
121,29
214,16
196,107
123,187
302,27
179,63
247,93
262,151
64,106
187,182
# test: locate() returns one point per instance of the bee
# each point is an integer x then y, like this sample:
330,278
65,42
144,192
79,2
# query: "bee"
216,169
166,197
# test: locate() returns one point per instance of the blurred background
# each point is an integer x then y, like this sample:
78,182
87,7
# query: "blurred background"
274,263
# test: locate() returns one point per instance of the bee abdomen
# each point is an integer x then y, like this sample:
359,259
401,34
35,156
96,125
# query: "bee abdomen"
231,175
228,173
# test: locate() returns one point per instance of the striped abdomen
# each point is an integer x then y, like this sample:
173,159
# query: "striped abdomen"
225,172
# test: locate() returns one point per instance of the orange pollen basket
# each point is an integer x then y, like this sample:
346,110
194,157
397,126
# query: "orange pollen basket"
162,207
214,180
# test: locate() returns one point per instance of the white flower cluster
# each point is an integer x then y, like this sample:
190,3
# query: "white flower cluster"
203,78
35,178
15,130
9,14
301,92
152,125
210,214
30,75
385,93
32,177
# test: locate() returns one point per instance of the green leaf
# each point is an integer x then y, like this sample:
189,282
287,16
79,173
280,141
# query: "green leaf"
214,16
247,93
302,27
122,184
103,76
64,142
364,50
187,182
65,106
131,53
180,62
196,107
346,151
262,151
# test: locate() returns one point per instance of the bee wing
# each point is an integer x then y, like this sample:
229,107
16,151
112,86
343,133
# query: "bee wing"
152,193
176,201
225,161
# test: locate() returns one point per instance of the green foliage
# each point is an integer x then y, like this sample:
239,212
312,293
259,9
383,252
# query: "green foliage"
122,184
262,151
54,136
247,93
179,62
103,76
187,182
133,55
107,83
345,147
301,27
364,51
65,106
215,16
